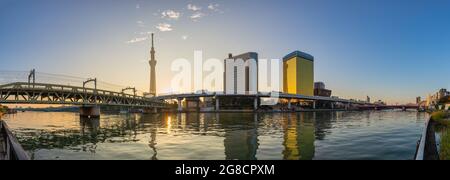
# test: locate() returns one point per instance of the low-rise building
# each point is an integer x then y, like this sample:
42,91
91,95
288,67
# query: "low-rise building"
437,98
320,90
380,102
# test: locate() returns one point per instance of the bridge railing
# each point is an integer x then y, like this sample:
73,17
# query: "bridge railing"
10,146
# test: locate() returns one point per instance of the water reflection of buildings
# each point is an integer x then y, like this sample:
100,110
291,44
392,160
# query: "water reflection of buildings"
240,132
241,143
323,122
244,136
147,122
299,137
153,130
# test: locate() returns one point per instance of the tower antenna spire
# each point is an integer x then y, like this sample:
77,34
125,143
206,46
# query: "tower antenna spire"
152,63
152,41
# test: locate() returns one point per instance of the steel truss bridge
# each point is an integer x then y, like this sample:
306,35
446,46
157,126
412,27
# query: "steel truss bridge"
39,93
54,93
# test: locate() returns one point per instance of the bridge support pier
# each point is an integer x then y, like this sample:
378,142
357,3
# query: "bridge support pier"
314,104
197,108
289,104
332,105
90,111
217,104
192,104
255,104
180,105
150,110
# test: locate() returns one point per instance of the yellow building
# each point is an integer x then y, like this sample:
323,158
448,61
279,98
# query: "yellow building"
298,74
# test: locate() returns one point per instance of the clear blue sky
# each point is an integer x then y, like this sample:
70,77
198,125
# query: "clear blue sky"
393,50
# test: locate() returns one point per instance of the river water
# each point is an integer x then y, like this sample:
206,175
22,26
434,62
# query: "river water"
364,135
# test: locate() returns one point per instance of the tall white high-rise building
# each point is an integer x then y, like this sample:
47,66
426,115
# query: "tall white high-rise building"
241,74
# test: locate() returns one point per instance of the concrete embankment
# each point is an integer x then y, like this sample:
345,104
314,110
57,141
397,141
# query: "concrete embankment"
427,147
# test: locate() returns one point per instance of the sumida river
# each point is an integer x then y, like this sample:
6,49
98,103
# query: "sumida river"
361,135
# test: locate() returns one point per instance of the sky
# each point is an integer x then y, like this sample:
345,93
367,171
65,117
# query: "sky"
393,50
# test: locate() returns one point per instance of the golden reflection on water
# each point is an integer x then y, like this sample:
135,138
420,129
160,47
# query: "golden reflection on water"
299,138
169,124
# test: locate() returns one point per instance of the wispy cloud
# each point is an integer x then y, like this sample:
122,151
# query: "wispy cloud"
136,40
213,7
138,6
184,37
164,27
194,7
140,23
145,33
196,16
170,14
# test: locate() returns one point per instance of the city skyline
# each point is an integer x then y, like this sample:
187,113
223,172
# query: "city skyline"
359,56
